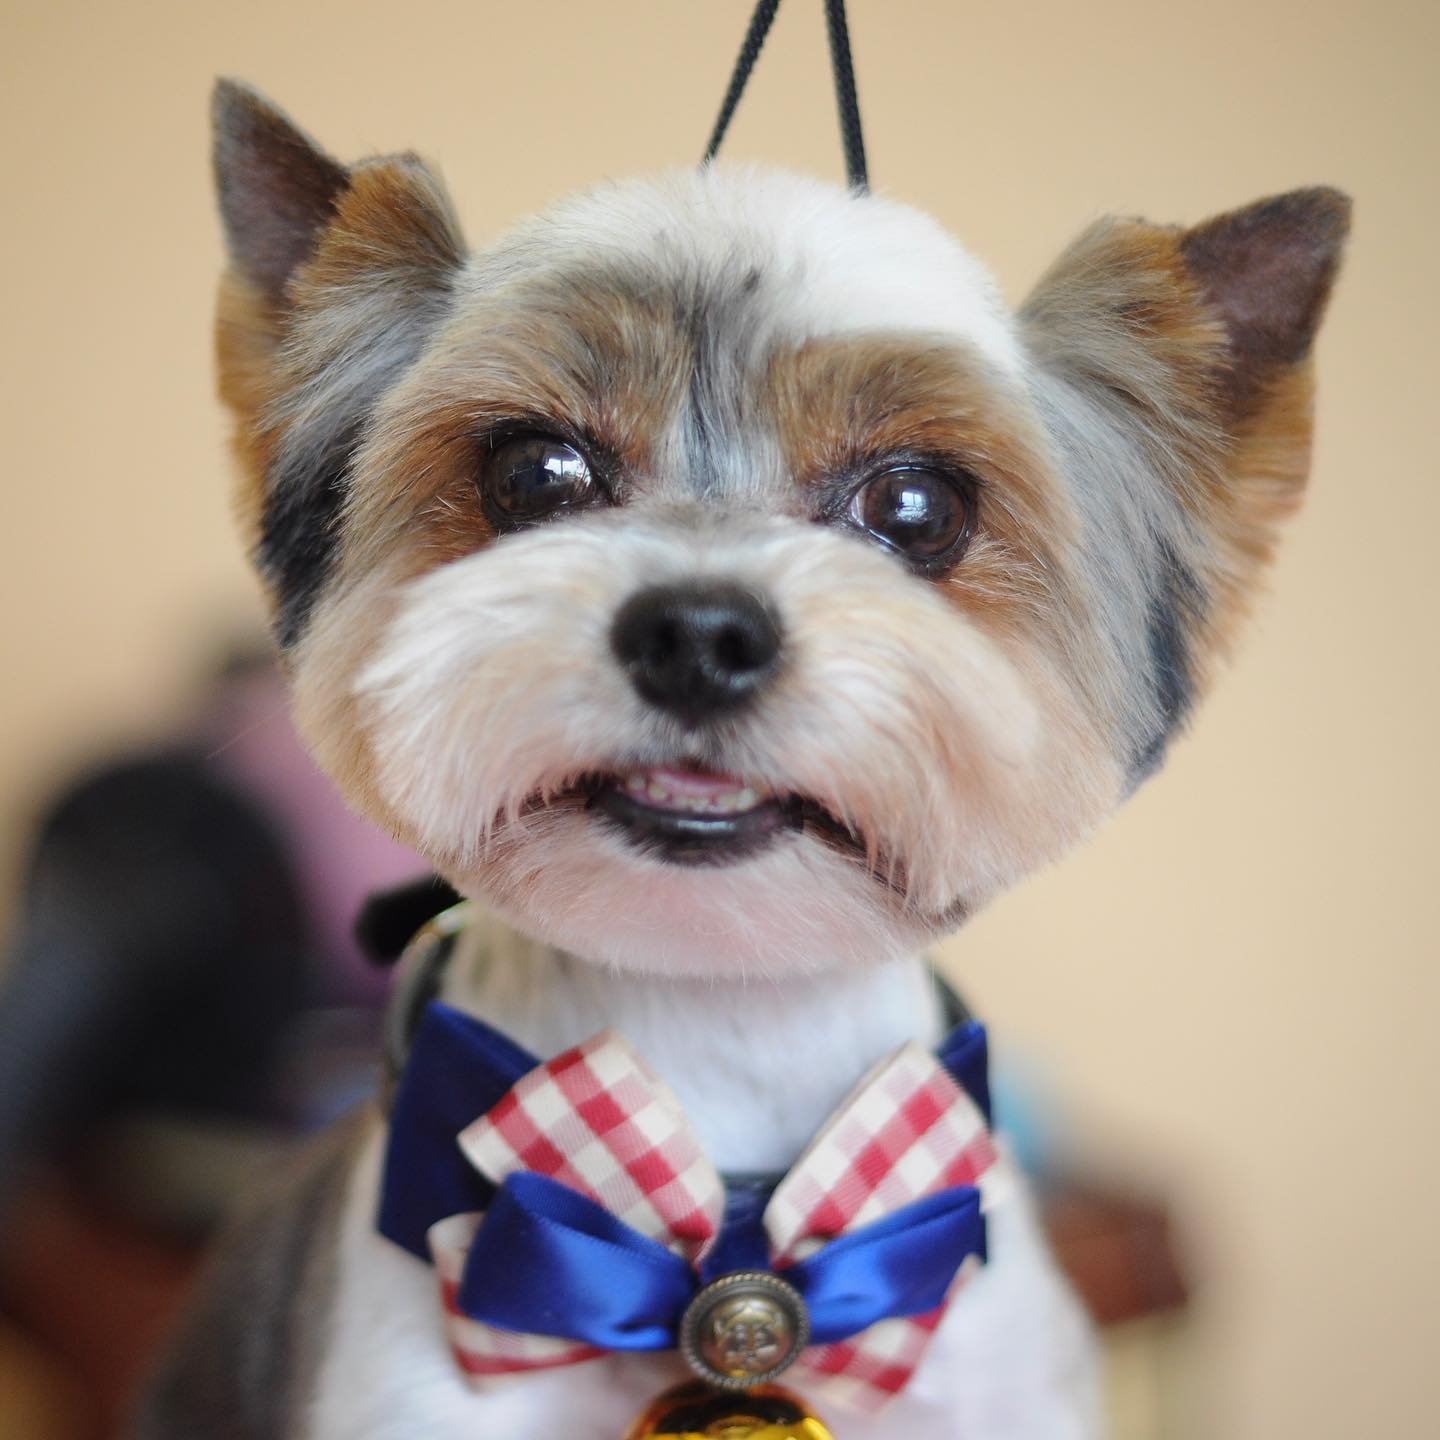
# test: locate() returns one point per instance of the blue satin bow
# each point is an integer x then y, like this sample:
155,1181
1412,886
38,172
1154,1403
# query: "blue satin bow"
549,1261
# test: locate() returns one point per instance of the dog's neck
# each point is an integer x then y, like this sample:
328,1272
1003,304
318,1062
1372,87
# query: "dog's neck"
759,1065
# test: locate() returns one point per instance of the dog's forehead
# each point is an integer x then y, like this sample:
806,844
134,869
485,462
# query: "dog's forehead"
833,259
659,308
828,260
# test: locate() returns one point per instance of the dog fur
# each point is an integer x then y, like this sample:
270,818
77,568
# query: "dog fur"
735,351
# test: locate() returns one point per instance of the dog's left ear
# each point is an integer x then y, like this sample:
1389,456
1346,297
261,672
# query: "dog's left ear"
1266,271
1181,359
1214,316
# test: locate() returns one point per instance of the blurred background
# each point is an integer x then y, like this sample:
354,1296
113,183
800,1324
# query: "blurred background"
1216,1023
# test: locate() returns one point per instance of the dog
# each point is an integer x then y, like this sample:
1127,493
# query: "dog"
718,584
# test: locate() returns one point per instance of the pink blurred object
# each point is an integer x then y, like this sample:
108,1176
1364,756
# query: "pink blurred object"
339,859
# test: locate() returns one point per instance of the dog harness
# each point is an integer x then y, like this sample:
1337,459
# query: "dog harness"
569,1210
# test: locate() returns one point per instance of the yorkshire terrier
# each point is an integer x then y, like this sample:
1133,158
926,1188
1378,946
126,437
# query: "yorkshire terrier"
718,584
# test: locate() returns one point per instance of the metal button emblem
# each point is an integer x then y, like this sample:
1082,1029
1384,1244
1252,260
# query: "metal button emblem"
744,1329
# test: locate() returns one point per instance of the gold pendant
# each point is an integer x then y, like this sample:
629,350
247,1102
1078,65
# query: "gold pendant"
696,1411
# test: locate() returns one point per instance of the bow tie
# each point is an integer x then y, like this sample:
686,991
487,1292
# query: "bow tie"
569,1210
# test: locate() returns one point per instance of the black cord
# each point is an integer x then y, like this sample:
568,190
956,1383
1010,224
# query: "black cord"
845,98
749,52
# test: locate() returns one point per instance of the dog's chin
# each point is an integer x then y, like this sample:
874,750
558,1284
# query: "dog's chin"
686,873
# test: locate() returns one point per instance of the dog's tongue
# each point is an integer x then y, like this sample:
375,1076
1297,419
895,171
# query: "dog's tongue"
703,791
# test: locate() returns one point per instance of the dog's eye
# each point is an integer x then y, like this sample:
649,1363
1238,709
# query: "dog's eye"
924,514
529,477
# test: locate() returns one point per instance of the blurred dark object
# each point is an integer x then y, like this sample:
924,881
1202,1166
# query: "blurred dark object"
181,1000
157,960
182,988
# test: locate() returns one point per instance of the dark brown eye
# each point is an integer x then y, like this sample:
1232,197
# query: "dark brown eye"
530,477
923,514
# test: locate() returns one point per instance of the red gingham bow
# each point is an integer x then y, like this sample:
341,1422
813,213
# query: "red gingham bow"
600,1121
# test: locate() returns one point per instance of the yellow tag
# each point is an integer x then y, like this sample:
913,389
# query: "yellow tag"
697,1412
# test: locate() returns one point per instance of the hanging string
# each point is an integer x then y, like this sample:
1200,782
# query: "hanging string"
846,100
749,52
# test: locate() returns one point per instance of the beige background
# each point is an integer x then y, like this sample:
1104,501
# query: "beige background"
1237,982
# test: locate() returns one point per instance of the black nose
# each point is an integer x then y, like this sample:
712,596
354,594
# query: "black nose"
697,650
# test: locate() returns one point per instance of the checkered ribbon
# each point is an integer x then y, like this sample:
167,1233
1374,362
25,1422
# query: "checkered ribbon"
598,1120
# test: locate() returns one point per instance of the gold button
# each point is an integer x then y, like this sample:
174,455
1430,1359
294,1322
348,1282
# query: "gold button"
744,1329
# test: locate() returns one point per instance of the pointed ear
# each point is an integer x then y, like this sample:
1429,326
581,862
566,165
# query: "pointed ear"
1198,323
1173,368
277,189
300,225
1266,271
338,276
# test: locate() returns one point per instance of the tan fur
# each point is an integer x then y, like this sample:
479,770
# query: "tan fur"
845,406
334,651
1265,472
393,232
604,367
1123,296
247,332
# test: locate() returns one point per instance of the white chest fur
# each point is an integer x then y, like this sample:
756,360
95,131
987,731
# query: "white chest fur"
1012,1361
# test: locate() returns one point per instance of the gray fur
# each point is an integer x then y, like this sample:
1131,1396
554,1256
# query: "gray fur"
1135,544
717,324
1132,435
245,1354
367,343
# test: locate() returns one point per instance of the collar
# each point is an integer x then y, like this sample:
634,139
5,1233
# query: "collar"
420,969
452,1071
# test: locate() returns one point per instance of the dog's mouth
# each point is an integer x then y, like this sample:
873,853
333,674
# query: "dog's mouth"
692,816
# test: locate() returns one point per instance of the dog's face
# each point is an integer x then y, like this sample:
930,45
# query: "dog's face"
712,574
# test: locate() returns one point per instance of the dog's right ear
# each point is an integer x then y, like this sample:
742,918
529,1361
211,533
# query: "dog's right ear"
277,189
299,225
337,277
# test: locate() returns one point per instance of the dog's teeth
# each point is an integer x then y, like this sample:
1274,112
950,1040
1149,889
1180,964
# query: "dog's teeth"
646,785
